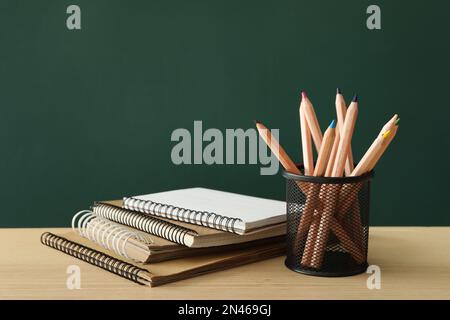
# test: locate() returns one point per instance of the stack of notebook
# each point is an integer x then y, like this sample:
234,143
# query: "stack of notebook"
168,236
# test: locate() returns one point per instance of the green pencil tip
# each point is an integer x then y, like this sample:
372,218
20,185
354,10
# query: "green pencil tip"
397,121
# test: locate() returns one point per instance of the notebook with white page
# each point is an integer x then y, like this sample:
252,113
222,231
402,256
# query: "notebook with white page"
211,208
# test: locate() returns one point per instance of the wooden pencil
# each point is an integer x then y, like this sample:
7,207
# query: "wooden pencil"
345,138
332,191
341,111
370,159
391,126
350,192
307,151
363,166
277,149
312,200
289,166
374,152
333,153
325,150
307,225
313,123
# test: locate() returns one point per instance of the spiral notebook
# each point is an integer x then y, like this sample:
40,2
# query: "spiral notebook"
140,246
163,272
221,210
193,236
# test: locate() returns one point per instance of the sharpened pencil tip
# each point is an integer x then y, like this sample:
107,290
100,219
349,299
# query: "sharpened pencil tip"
386,134
397,121
338,91
333,124
257,122
355,98
304,96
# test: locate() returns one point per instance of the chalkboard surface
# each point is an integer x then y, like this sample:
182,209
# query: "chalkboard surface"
88,114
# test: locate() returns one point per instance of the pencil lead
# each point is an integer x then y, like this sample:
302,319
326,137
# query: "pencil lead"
386,134
338,91
397,121
355,98
304,96
333,124
257,122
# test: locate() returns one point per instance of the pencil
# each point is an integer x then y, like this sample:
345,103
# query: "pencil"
355,221
289,166
325,150
276,148
313,123
306,223
312,196
374,152
307,151
333,153
393,129
345,138
367,163
350,192
333,191
341,111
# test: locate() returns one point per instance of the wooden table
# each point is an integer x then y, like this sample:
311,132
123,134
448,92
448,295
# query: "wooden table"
414,262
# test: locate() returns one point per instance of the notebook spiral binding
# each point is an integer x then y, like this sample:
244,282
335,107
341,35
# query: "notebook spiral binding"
94,257
108,234
204,218
154,226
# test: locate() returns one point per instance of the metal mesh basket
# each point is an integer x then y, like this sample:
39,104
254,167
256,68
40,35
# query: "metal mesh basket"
327,224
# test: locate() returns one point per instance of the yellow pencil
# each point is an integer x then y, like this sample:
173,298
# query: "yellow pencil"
367,163
375,151
372,153
392,127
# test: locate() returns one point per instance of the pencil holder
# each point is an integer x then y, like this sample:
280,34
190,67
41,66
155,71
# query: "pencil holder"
327,224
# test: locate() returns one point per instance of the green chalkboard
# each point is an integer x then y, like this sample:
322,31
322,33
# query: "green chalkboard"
88,114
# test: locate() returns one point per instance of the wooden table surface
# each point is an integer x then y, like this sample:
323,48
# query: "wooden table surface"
414,262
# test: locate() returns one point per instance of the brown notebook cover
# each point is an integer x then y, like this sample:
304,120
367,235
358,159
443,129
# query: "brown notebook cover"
163,272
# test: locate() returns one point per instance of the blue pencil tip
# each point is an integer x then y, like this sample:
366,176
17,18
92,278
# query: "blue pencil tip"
355,98
333,124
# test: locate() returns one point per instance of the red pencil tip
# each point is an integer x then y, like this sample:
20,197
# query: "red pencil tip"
304,96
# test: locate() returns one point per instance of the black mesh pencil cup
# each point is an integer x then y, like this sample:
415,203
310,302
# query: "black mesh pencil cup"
327,224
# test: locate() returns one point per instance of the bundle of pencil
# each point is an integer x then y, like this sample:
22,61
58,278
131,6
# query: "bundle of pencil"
319,218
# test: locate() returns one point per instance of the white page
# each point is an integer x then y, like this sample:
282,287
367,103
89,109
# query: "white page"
253,211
